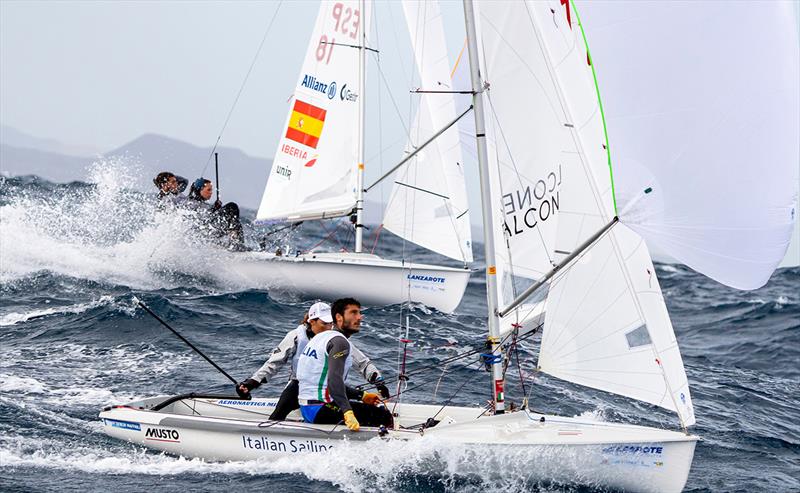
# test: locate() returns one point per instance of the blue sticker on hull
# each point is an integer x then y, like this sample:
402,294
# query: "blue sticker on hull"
125,425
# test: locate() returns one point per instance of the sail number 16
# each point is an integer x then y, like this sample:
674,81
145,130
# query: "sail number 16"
348,20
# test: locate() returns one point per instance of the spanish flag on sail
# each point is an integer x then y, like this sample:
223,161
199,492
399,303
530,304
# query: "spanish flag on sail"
305,124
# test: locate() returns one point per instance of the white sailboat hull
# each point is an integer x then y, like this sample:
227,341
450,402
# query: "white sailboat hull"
368,278
556,449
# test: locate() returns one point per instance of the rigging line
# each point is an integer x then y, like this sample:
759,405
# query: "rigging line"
466,380
563,264
419,148
394,102
420,91
394,24
241,88
347,45
380,126
445,197
322,240
454,358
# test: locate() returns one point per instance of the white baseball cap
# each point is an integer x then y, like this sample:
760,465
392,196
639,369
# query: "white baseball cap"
321,311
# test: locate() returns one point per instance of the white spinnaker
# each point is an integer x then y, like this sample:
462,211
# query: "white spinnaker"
702,105
601,299
314,170
428,205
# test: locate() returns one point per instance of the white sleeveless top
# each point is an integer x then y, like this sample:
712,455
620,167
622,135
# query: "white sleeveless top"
312,367
302,342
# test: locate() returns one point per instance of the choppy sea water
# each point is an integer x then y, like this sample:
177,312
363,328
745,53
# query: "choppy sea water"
73,256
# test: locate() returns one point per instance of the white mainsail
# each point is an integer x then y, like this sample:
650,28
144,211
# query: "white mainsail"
314,172
606,324
428,205
703,106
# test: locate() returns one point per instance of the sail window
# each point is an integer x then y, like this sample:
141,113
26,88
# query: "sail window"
638,337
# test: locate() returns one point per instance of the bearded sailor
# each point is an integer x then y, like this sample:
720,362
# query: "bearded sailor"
322,370
317,320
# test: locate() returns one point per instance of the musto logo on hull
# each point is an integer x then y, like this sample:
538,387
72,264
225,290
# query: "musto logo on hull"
288,446
162,435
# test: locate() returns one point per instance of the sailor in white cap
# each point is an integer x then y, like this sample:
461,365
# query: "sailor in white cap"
318,320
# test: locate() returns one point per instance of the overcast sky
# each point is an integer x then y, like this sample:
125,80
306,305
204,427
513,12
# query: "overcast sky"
100,74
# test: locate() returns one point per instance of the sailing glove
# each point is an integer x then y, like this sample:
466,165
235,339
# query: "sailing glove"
384,390
370,398
351,421
377,379
248,384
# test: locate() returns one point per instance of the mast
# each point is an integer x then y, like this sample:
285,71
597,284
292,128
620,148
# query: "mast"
361,79
488,226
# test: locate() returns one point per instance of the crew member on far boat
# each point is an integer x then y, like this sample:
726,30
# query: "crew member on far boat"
317,320
223,219
322,370
170,187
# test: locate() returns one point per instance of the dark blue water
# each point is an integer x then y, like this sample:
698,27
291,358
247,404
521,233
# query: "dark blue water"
73,256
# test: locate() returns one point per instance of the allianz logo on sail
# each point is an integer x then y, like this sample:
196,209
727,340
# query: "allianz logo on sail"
312,83
345,94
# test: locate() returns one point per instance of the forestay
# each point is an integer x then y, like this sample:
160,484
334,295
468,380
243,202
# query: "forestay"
606,323
702,111
314,170
428,205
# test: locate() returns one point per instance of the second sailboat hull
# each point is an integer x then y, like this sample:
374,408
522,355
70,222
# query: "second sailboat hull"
368,278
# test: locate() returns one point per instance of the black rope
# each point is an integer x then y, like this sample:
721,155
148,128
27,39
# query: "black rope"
449,399
165,324
449,360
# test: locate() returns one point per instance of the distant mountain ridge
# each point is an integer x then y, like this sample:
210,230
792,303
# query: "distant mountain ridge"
242,177
17,138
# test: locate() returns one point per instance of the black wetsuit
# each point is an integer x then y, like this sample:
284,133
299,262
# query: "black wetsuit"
332,413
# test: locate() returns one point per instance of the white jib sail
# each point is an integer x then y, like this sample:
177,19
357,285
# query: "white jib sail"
314,172
428,205
702,102
606,325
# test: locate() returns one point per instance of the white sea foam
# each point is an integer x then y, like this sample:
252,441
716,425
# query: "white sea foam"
13,383
106,233
375,465
15,317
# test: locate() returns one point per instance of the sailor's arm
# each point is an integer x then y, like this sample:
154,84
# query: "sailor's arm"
280,355
338,349
363,365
